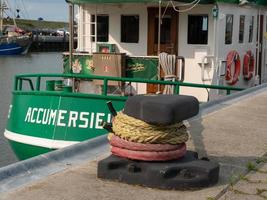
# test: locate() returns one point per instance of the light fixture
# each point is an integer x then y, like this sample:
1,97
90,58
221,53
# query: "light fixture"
243,2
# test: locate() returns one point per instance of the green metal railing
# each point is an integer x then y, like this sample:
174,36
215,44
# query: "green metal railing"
18,85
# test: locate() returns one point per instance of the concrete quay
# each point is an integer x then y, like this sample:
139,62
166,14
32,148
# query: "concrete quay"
231,131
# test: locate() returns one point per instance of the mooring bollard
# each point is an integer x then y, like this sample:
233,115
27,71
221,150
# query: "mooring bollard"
148,145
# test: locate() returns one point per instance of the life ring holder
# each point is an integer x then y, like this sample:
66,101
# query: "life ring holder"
232,58
248,65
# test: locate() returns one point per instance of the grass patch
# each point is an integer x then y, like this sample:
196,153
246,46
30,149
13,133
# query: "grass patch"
251,167
210,198
35,24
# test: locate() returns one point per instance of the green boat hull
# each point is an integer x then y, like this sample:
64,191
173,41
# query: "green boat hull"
40,122
25,151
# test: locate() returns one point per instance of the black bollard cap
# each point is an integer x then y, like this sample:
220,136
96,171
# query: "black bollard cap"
162,109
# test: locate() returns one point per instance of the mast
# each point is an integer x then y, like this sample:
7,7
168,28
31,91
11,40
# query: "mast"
1,16
71,30
159,32
3,7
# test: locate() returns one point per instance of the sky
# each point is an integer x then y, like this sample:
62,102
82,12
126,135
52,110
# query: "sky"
50,10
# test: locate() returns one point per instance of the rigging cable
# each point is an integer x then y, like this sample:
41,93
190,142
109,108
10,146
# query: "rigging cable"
186,4
26,14
185,10
12,13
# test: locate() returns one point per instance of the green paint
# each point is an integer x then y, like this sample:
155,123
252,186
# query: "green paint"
67,88
261,2
136,67
119,79
59,117
50,85
25,151
82,64
65,115
142,67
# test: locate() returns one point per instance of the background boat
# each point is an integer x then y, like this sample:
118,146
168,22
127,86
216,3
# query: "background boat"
14,45
13,40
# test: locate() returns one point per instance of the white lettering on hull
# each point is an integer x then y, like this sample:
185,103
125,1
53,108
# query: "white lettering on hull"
65,118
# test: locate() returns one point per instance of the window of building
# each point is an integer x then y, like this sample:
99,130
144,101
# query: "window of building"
241,28
130,28
251,27
197,29
102,28
229,29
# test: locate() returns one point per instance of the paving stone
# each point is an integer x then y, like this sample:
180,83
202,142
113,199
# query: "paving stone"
235,196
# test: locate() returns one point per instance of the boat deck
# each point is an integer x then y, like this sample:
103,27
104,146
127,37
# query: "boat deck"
231,132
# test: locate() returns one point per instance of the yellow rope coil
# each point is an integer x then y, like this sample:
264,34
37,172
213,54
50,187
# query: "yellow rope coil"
134,130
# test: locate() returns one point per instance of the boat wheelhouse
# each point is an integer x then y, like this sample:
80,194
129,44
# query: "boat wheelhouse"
205,33
120,53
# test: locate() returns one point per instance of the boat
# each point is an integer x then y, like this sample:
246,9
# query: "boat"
11,44
13,40
204,48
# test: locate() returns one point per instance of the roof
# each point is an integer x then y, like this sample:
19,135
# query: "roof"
257,2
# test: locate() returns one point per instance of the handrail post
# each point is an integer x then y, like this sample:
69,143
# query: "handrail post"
38,83
20,84
16,84
177,88
105,87
31,85
181,79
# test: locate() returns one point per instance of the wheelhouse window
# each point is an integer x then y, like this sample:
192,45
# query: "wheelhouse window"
130,28
251,27
102,28
241,28
197,29
229,29
165,30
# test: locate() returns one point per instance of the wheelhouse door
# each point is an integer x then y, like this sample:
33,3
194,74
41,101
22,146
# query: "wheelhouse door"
169,31
168,36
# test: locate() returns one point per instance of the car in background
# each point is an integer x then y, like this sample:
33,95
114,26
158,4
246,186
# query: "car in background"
62,32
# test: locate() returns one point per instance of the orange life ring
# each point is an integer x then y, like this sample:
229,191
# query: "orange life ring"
248,65
232,58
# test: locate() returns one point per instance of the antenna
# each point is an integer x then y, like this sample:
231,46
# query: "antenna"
18,16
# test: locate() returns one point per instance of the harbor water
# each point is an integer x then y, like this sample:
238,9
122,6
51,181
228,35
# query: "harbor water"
9,67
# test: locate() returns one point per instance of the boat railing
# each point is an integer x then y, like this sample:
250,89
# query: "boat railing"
38,78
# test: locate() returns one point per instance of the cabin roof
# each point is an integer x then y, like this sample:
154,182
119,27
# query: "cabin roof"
257,2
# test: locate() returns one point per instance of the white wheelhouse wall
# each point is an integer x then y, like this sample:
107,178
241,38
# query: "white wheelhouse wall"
264,46
241,48
193,53
114,12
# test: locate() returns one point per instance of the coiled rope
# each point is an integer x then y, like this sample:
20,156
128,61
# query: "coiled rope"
168,63
134,130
